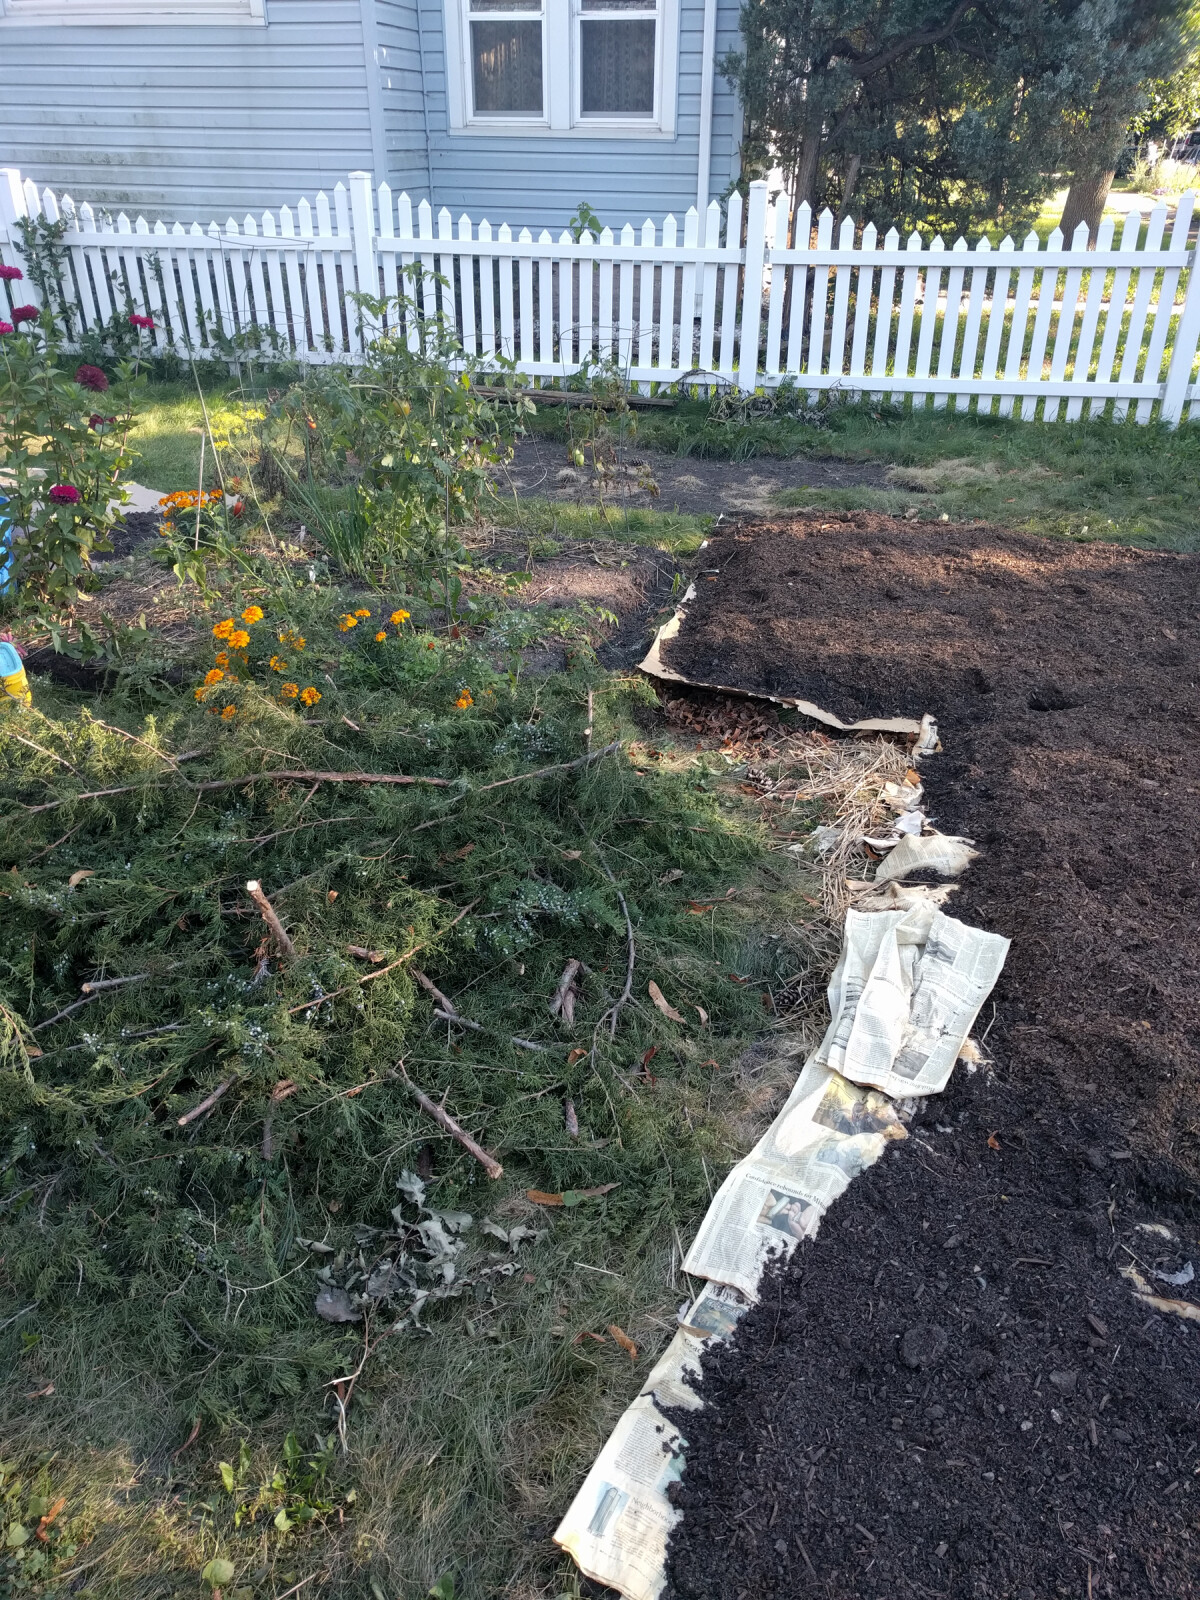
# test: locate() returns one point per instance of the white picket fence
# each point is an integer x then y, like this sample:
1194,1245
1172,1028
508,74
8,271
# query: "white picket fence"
999,328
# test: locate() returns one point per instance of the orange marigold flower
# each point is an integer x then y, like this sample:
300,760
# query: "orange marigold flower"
229,711
430,644
199,693
213,676
289,691
278,664
464,700
223,629
347,622
310,696
362,612
380,637
222,658
252,614
398,617
240,639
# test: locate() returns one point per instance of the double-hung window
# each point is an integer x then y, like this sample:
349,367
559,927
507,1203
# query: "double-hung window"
599,66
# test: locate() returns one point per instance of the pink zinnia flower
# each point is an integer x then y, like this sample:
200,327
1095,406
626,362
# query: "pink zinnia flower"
141,322
91,378
65,494
6,327
10,274
25,314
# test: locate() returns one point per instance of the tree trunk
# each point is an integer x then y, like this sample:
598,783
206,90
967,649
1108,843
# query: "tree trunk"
849,182
1086,199
807,165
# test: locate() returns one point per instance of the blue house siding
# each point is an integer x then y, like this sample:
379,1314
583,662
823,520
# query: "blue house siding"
538,181
196,123
189,123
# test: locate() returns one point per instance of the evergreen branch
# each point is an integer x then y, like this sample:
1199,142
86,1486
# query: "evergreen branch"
286,775
319,1000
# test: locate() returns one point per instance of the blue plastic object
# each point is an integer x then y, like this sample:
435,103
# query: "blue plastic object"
10,660
5,551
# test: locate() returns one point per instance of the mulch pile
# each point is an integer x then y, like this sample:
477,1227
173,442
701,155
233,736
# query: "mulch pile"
952,1391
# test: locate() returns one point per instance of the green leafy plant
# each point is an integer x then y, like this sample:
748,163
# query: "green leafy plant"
62,457
37,1539
584,221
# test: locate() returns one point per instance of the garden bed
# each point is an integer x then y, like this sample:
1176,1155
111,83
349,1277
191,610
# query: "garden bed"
1062,677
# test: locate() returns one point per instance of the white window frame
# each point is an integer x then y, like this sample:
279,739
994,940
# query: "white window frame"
132,13
561,116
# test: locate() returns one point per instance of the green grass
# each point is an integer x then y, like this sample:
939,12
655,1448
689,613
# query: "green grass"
1131,484
557,524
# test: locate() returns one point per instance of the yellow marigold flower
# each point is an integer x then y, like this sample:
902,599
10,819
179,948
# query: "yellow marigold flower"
252,614
222,658
240,639
398,617
229,711
380,637
289,691
309,696
223,629
362,612
464,700
347,622
278,664
199,693
214,676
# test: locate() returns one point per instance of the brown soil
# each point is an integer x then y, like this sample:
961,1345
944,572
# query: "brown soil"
683,483
1064,678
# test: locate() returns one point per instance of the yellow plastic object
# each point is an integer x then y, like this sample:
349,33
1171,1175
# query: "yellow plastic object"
16,693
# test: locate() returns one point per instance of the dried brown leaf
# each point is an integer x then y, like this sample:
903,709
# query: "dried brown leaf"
623,1339
77,878
664,1005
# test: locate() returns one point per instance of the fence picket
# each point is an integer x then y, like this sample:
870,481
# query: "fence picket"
802,243
1047,290
708,297
779,272
1131,357
883,317
1020,321
666,301
948,347
730,286
1165,309
829,316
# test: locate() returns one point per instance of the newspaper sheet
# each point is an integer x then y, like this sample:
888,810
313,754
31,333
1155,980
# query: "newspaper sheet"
617,1526
943,853
828,1132
907,987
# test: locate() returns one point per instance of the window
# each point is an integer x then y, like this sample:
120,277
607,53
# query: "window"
132,13
617,56
506,57
563,66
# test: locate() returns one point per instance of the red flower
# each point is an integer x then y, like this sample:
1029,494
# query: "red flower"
10,274
141,322
6,327
97,421
238,506
91,378
25,314
65,494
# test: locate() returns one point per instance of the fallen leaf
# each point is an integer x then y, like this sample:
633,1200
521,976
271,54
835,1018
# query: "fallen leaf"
698,908
189,1441
569,1197
461,855
662,1003
332,896
993,1142
703,1015
77,878
570,1119
711,1063
671,877
623,1340
733,977
649,1056
333,1305
575,1055
584,1334
48,1517
363,954
571,855
41,1394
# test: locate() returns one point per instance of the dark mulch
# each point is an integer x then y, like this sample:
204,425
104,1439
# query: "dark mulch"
135,529
1064,680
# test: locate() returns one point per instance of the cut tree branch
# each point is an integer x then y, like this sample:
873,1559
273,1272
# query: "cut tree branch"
367,977
488,1162
207,1103
255,891
914,41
